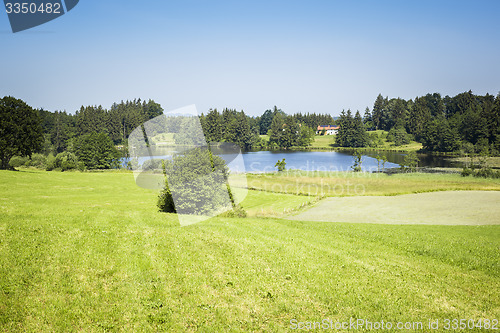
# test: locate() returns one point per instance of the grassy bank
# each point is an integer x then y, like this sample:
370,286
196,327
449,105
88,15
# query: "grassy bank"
443,208
89,252
352,184
326,142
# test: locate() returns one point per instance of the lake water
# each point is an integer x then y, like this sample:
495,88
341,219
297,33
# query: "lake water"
264,161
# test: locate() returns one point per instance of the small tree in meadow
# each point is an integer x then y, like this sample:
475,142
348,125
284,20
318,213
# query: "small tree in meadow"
358,160
196,183
281,165
410,162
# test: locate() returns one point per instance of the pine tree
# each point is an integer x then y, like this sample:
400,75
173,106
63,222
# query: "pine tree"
276,130
419,116
367,119
378,109
213,127
360,137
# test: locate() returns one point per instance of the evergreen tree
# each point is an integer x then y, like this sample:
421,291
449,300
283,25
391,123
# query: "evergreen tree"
439,136
306,136
378,110
276,130
360,138
265,122
213,127
352,132
60,133
397,113
239,132
96,151
367,119
91,119
290,133
419,116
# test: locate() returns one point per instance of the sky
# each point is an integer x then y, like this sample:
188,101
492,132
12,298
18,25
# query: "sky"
302,56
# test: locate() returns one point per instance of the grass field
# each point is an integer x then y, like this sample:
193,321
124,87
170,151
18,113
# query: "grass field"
327,141
445,208
89,252
354,184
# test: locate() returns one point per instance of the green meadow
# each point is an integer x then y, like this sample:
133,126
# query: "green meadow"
89,252
362,183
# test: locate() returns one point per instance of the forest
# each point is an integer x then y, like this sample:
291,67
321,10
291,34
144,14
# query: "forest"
466,122
95,137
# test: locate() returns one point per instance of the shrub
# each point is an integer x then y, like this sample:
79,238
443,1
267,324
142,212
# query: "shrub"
358,160
410,162
238,211
487,173
38,161
81,166
66,161
281,165
17,161
50,162
466,172
196,179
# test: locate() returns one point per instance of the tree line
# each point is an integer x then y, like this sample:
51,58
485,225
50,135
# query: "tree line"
90,137
86,140
284,130
465,122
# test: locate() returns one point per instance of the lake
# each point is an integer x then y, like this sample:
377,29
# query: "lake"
264,161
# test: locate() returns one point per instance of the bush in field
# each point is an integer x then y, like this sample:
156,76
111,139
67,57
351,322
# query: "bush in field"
17,161
237,211
38,161
191,180
410,162
358,160
66,161
50,162
281,165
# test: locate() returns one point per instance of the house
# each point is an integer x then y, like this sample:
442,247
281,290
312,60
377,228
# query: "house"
328,129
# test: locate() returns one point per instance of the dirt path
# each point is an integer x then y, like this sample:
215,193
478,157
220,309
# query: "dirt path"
446,208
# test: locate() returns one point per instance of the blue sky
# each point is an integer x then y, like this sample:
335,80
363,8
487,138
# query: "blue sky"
307,56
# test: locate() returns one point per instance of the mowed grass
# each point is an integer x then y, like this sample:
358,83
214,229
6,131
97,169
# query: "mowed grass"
268,204
89,252
328,141
323,141
445,208
358,184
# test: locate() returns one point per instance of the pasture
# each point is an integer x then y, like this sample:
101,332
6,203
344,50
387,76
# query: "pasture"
444,208
89,252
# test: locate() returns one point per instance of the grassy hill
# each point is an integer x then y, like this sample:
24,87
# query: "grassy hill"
327,141
89,252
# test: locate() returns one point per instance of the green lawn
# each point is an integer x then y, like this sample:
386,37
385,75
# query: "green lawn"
327,141
269,204
89,252
450,208
164,139
323,141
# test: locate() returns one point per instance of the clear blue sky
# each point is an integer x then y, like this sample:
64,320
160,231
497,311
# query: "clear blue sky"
308,56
